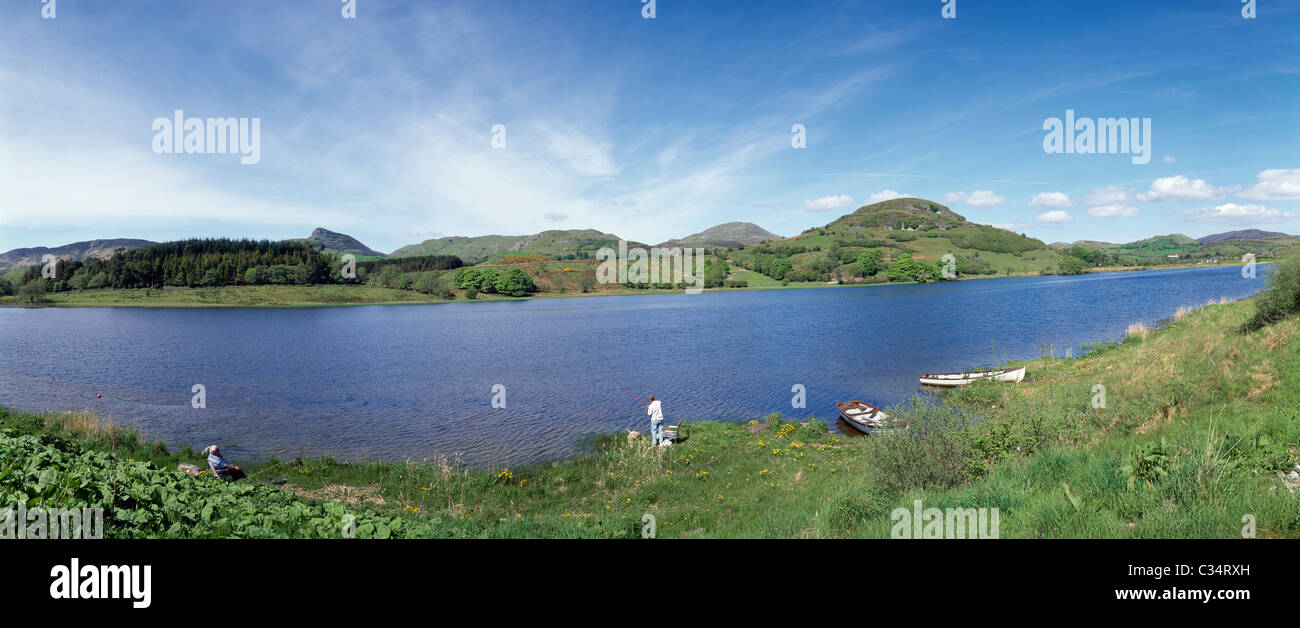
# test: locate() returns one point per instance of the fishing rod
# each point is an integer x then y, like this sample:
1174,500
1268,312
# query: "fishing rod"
620,384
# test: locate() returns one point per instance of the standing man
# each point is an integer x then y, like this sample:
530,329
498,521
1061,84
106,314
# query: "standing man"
656,412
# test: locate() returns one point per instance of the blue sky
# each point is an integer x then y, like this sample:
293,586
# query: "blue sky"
381,126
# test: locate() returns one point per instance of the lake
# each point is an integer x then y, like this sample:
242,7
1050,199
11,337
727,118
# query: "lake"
417,381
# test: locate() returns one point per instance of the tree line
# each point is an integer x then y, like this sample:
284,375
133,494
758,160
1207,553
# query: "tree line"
194,263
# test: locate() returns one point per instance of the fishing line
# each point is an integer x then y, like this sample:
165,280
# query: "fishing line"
624,387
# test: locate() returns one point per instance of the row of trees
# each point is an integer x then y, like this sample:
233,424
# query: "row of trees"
1092,258
418,264
192,263
513,282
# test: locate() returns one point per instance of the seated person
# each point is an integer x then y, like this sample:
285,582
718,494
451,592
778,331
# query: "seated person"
220,467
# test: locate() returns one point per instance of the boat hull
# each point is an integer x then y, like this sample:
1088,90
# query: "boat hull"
870,414
950,380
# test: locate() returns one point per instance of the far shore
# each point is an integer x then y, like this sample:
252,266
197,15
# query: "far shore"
328,295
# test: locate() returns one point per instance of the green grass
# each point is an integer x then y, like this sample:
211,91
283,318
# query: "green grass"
1199,426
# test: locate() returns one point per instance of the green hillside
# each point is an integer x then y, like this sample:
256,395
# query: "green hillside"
1177,248
323,239
911,228
726,235
553,244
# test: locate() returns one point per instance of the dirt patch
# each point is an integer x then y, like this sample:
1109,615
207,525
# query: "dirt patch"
1165,415
1275,337
340,493
1265,381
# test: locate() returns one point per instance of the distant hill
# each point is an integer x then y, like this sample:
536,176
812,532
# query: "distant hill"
729,235
323,239
1244,234
1178,248
79,251
923,229
1095,245
580,243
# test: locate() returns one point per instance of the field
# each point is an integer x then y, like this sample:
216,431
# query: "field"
1198,428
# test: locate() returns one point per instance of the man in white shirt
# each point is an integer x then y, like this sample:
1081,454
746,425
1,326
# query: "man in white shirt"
656,412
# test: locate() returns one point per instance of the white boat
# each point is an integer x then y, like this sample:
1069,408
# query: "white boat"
867,418
961,379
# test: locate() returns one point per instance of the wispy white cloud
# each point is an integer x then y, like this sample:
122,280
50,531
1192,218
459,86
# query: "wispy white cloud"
1113,211
828,203
1050,199
978,198
1181,188
1275,185
1109,195
1232,212
884,195
1055,216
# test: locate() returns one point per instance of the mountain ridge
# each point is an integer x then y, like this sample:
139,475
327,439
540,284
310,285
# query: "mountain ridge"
727,235
78,251
1242,234
323,239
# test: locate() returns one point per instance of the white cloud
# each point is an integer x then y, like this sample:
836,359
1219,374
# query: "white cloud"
885,195
1054,216
1011,226
1232,212
555,216
1275,185
1169,159
978,198
1050,199
827,203
1109,195
1181,188
1113,211
581,154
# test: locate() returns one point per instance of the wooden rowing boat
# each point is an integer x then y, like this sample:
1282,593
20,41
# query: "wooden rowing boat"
961,379
867,418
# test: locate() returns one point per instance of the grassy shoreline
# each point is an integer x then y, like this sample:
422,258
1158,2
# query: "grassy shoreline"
340,295
1198,429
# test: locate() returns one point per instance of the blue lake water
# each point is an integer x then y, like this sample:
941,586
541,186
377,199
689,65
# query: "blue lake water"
416,381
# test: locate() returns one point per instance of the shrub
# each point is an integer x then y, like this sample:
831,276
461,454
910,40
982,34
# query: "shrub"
1073,266
1281,299
932,453
514,283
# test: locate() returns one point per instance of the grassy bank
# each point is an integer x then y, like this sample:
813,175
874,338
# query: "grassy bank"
1198,428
